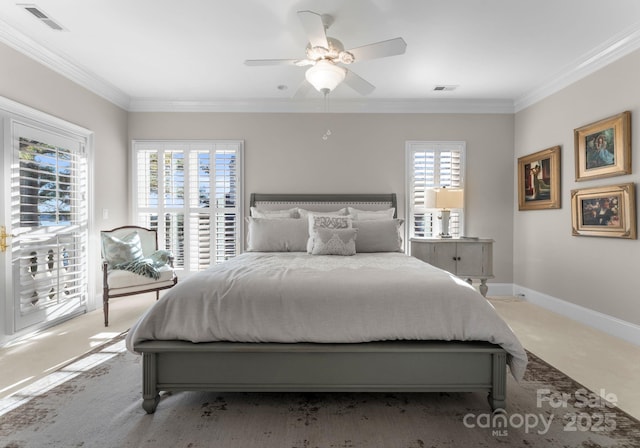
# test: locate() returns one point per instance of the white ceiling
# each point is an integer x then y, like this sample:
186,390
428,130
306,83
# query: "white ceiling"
189,55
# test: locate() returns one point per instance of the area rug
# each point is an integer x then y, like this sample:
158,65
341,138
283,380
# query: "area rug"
96,402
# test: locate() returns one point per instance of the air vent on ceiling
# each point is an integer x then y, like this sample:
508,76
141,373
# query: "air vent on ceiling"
445,88
42,16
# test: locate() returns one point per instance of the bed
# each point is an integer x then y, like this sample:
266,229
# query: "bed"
278,318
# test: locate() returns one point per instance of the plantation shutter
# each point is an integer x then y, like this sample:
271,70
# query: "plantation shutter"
197,211
49,213
432,165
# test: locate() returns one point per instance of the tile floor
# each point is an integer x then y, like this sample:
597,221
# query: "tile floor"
596,360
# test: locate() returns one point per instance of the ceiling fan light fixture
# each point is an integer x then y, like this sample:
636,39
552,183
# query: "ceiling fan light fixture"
325,76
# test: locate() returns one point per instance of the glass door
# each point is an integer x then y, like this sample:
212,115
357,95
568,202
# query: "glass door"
48,223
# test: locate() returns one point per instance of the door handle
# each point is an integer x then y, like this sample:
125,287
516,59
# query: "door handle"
3,238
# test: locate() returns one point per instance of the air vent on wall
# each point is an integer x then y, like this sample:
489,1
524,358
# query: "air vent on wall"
42,16
445,88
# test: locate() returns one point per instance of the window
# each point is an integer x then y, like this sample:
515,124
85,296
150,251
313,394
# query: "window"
191,192
432,165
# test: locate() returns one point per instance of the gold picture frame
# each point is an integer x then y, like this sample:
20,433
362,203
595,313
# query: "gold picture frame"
603,148
539,180
608,211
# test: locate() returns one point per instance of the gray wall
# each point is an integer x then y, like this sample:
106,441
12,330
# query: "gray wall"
27,82
365,153
596,273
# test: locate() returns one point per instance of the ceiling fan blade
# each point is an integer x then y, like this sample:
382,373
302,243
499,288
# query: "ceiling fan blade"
256,62
360,85
303,90
382,49
314,27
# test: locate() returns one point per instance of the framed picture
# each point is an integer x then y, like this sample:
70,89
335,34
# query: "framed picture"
603,149
604,211
539,180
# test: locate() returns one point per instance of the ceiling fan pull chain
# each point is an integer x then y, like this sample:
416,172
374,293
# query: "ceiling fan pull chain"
326,135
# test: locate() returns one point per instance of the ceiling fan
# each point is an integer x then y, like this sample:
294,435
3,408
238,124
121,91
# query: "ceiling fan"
326,56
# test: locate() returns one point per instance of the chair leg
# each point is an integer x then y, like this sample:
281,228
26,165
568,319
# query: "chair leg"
105,308
157,295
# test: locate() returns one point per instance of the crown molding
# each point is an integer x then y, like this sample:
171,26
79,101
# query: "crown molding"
449,106
27,46
619,46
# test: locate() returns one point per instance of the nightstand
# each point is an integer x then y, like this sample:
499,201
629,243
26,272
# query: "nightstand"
469,258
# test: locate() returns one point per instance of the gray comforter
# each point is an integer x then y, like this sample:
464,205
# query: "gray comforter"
296,297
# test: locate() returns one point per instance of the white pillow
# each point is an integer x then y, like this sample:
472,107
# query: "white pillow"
379,235
334,242
305,213
277,235
362,215
325,221
274,214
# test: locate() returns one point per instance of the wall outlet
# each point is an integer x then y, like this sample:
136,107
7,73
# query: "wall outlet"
105,213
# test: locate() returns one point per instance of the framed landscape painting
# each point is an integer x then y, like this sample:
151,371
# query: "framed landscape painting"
604,211
603,149
539,180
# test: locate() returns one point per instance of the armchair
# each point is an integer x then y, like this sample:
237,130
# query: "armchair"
132,264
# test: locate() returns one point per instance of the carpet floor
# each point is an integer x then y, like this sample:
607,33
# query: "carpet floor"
96,402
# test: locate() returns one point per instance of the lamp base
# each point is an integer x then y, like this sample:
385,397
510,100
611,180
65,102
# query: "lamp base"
446,214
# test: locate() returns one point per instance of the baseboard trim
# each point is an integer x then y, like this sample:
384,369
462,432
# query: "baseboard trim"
500,289
595,319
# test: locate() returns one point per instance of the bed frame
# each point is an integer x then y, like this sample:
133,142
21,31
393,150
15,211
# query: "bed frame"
387,366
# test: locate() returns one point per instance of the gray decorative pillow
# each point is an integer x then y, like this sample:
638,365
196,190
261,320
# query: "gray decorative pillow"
378,235
318,220
274,214
334,242
362,215
121,250
277,235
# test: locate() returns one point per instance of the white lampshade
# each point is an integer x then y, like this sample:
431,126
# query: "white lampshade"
449,198
325,76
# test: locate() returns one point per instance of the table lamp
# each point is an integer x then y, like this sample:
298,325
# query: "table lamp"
446,199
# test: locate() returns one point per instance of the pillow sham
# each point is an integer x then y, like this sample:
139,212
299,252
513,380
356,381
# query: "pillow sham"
305,213
363,215
121,250
378,235
274,214
277,235
325,221
334,242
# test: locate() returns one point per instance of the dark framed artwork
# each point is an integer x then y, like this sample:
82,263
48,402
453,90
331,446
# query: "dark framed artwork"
608,211
539,180
603,149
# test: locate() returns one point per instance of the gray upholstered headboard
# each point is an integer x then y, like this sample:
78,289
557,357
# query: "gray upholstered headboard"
325,202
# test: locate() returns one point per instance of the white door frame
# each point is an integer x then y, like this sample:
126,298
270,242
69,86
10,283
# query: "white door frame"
11,112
